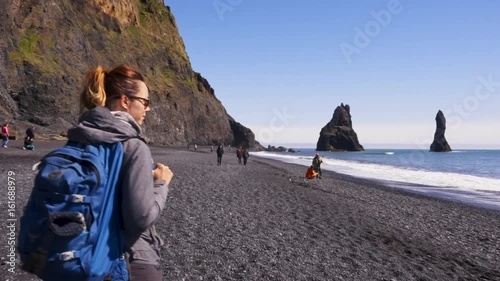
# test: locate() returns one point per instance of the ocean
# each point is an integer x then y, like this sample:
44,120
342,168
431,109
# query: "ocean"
468,176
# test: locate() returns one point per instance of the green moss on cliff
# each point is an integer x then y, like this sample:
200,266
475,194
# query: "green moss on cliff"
26,48
36,50
61,39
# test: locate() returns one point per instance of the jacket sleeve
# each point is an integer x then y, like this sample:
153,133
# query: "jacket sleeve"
143,199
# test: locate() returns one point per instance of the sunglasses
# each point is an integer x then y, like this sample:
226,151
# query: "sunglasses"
144,101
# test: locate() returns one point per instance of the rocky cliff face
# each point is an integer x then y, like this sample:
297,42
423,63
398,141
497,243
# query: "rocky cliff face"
440,144
338,134
47,45
243,136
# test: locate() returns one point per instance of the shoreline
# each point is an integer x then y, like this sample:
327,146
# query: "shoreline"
264,221
457,186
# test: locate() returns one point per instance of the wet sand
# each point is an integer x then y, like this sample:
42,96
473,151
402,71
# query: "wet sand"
264,221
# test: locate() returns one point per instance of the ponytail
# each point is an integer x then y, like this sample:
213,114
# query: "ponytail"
93,93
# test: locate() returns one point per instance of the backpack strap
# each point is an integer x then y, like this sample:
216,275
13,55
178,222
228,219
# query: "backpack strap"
65,256
75,198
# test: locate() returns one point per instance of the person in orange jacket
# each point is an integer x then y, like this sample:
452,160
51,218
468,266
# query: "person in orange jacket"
311,173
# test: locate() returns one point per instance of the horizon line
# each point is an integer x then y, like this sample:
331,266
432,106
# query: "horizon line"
392,145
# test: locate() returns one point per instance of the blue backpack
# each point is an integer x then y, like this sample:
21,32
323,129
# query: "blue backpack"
71,227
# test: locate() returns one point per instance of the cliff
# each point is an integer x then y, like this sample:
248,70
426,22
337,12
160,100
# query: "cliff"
338,134
243,136
47,46
440,144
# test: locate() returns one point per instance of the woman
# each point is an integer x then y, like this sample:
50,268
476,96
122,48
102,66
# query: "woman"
5,135
117,101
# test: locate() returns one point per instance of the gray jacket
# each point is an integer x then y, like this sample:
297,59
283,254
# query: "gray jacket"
143,198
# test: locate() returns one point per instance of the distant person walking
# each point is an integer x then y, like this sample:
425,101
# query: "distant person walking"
29,138
5,135
211,148
317,160
239,154
245,156
195,147
220,151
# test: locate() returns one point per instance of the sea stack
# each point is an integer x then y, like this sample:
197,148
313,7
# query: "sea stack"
338,133
440,144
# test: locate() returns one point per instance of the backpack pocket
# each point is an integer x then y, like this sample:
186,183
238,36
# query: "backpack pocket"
67,224
63,257
32,239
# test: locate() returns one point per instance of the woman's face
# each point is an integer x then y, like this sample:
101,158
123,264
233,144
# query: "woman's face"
139,103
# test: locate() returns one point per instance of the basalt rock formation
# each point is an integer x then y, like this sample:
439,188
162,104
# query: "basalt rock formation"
243,136
338,134
46,47
276,149
440,144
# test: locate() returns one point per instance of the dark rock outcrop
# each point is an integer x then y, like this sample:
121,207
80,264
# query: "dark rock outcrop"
440,144
338,134
47,45
243,136
276,149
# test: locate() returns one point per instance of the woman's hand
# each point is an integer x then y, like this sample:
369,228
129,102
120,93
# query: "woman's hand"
162,172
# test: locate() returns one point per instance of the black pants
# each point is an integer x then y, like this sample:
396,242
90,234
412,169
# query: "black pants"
319,171
245,160
219,160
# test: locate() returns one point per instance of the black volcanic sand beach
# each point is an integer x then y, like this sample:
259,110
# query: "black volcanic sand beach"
264,221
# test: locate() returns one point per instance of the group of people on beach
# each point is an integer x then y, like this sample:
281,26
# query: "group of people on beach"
28,139
241,153
314,171
114,103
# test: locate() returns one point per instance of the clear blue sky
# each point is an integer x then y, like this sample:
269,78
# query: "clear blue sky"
282,67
